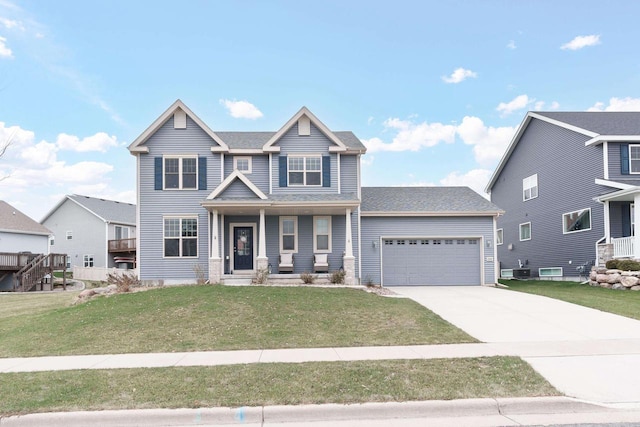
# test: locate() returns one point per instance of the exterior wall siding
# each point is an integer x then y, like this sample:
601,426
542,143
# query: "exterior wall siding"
155,204
349,174
259,175
238,189
20,242
613,150
88,234
292,144
373,228
566,173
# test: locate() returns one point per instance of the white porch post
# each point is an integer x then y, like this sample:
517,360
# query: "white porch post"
348,261
262,261
636,222
215,262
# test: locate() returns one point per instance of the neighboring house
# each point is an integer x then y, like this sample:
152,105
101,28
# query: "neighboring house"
568,183
228,204
18,233
93,232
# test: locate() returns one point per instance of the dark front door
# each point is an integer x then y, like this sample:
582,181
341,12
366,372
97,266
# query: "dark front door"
242,248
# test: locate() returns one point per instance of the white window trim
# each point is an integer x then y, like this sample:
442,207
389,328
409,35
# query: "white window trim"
85,260
235,163
525,182
631,172
315,239
499,232
69,235
506,273
197,238
572,212
550,272
520,231
304,158
180,158
295,235
123,228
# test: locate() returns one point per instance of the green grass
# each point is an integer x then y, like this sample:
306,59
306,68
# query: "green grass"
624,303
193,318
34,303
270,384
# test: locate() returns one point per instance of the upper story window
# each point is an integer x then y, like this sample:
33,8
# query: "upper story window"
121,232
499,236
305,170
576,221
530,187
242,164
634,158
181,173
69,235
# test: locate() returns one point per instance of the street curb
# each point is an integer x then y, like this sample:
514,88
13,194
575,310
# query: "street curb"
309,413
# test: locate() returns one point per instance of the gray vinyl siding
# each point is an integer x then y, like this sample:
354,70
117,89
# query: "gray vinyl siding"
349,174
566,173
259,175
111,235
88,231
373,228
315,144
156,204
238,189
613,150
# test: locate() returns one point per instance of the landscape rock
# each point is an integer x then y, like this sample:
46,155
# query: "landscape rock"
618,287
614,278
593,283
602,278
613,271
635,288
601,270
593,275
606,285
629,281
87,293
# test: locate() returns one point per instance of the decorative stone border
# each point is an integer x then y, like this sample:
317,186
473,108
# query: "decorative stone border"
615,279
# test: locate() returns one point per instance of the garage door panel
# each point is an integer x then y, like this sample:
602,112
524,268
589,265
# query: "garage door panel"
424,261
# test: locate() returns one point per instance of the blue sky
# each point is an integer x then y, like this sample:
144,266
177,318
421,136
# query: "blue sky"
435,89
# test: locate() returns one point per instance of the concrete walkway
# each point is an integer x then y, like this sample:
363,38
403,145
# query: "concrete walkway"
584,353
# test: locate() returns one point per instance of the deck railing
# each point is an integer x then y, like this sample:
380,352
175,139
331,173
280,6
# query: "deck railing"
15,261
122,245
623,247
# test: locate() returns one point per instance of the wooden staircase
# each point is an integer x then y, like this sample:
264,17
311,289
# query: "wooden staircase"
37,274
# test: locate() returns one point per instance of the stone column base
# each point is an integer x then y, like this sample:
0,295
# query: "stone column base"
215,270
349,265
262,263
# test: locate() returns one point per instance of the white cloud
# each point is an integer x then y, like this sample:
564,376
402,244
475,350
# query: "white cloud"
511,44
518,103
11,23
488,142
581,41
459,75
476,179
241,109
412,136
99,142
5,52
40,155
367,160
618,104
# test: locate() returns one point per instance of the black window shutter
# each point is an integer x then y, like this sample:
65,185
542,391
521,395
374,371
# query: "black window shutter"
624,159
283,170
326,171
158,173
202,173
626,220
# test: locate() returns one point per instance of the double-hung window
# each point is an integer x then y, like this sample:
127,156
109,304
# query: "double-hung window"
305,170
530,187
525,231
634,158
181,173
575,221
87,260
180,237
322,234
499,236
288,234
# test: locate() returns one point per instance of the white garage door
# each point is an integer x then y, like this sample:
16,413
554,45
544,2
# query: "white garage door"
423,261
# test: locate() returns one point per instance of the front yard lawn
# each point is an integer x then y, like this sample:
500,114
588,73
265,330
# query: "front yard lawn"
624,303
194,318
270,384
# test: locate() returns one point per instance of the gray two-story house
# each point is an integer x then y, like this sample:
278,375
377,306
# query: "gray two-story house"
568,183
229,204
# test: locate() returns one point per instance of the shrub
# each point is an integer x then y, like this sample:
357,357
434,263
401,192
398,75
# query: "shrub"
307,278
261,277
337,277
628,265
612,264
123,282
198,269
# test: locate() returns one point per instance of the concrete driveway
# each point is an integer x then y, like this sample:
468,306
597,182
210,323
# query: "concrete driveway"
584,353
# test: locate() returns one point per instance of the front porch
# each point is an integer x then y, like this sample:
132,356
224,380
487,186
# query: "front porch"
620,217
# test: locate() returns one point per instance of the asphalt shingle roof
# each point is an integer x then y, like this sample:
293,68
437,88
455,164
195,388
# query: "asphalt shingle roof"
255,140
300,198
425,199
11,219
108,210
600,122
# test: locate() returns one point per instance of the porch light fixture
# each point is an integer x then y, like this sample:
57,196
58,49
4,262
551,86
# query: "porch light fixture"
269,268
374,243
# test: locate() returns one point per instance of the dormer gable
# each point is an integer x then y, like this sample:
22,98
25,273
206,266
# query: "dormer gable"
233,180
304,119
179,112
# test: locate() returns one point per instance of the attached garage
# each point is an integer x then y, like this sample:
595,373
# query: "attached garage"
427,236
431,261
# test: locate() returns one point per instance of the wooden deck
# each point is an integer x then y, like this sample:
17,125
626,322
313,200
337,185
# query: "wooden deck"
32,271
122,245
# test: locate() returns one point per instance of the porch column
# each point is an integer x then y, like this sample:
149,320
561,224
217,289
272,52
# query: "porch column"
215,262
348,261
262,260
636,226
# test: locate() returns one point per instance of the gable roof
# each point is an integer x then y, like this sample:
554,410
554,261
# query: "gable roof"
137,146
424,201
109,211
256,140
600,126
239,176
14,221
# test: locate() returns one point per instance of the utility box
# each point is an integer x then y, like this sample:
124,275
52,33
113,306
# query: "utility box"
521,273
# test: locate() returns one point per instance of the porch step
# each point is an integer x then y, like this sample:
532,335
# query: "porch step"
237,279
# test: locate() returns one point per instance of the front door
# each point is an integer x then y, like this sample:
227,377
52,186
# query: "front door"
243,248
